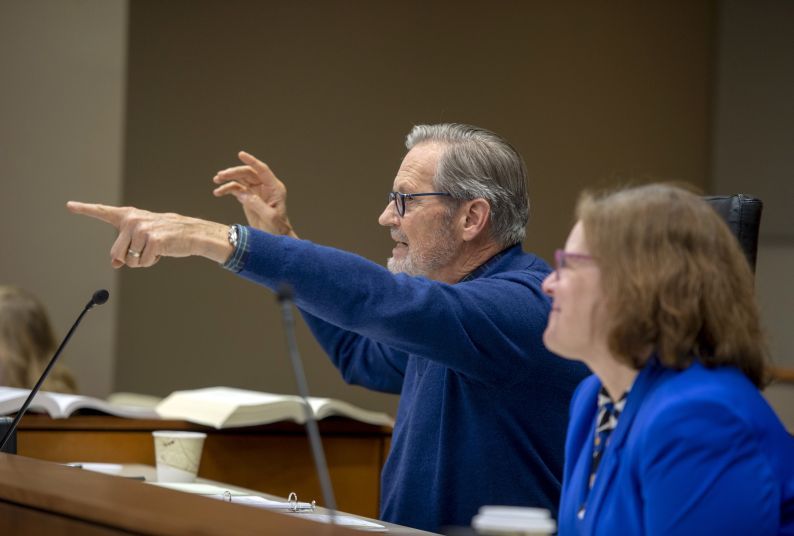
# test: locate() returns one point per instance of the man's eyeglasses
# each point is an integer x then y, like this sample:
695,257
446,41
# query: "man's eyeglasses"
400,199
562,260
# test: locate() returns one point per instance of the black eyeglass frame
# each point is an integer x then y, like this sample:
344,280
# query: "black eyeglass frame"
399,199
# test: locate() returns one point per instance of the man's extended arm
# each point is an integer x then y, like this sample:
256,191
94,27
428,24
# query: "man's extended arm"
360,360
483,328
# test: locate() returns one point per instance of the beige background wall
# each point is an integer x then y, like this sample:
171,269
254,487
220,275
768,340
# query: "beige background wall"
326,91
164,94
62,72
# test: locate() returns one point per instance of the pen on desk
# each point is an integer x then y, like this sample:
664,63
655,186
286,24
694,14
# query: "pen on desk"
136,477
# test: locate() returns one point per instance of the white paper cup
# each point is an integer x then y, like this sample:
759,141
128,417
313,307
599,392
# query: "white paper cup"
513,521
177,454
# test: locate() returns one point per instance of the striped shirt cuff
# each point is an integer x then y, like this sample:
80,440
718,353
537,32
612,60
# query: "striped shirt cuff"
237,260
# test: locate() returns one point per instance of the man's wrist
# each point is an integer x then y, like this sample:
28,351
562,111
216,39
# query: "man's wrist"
213,242
236,259
233,235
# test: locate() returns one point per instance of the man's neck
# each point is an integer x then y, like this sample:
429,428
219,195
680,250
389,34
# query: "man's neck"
471,257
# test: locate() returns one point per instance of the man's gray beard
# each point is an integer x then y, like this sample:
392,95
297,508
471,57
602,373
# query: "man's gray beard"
440,255
402,266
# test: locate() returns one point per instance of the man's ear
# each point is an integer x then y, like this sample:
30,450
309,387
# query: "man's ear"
476,214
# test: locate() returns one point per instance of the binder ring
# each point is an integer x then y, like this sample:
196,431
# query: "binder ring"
294,506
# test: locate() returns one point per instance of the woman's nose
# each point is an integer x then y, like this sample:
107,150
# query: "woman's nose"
549,283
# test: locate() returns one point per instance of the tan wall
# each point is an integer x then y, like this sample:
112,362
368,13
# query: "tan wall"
325,91
61,120
590,93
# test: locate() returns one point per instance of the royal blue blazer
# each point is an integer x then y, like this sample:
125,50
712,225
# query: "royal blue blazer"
697,451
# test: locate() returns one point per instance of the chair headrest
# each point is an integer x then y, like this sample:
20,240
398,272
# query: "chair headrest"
743,216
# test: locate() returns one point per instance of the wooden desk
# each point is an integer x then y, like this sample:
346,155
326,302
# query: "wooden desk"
275,458
38,497
783,374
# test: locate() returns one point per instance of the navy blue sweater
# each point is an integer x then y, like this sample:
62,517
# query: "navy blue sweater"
483,407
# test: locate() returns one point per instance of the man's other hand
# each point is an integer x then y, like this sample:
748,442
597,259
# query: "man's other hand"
258,190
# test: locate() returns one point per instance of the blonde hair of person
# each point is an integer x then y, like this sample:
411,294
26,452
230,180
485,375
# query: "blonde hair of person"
675,280
27,343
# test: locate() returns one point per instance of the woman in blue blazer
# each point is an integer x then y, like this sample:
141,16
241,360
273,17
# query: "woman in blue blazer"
671,434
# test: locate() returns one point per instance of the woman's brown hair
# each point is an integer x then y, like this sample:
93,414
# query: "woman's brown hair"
675,280
27,343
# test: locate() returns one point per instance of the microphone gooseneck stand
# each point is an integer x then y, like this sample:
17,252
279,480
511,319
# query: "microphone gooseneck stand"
284,297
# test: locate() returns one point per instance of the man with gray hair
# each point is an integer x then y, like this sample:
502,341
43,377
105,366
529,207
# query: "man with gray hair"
454,325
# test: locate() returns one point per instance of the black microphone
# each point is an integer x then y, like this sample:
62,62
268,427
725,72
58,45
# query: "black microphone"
284,296
99,297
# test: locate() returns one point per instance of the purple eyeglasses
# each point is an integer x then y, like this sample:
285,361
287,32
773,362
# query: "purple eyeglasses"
562,258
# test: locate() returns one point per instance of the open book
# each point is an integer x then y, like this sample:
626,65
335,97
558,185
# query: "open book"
60,406
225,407
220,407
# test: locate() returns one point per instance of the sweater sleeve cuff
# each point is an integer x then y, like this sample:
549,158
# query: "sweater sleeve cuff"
238,257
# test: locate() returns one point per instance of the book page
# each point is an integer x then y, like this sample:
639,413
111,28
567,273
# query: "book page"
134,399
326,407
69,404
225,407
12,398
60,405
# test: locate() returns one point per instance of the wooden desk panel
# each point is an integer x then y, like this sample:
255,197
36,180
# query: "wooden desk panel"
38,497
15,519
272,459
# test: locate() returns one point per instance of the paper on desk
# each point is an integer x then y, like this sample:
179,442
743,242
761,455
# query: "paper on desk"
236,497
346,521
261,502
197,489
107,468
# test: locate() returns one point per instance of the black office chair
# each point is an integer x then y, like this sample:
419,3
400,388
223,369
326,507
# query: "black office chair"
743,216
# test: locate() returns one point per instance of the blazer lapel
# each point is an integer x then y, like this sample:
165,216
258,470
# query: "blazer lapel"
610,463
